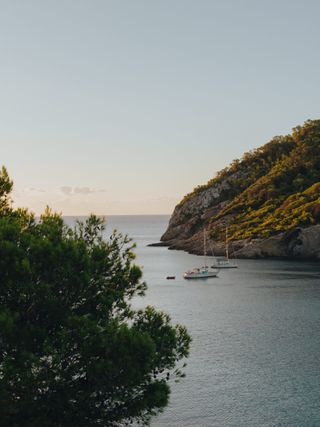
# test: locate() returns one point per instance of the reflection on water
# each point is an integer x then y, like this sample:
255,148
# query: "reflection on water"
255,354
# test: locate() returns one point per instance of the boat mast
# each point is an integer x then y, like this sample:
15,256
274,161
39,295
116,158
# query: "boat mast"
204,247
227,244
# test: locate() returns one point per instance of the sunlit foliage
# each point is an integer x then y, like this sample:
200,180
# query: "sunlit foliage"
272,189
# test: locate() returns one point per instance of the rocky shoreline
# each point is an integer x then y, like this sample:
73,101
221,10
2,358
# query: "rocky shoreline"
268,201
298,243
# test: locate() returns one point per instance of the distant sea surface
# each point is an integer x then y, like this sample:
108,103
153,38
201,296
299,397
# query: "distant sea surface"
255,355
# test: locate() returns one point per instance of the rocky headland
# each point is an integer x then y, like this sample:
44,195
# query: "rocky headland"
269,201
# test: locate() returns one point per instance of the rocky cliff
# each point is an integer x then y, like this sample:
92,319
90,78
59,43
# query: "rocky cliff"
269,200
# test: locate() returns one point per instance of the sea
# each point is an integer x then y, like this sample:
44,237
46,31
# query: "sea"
255,352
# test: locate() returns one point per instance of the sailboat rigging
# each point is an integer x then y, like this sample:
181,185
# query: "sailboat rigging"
203,272
225,261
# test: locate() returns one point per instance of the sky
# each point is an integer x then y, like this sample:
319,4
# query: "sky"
124,106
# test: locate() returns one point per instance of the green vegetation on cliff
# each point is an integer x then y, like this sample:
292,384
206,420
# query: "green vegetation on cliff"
272,189
242,173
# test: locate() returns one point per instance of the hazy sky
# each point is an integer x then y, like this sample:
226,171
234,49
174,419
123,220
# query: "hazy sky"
123,107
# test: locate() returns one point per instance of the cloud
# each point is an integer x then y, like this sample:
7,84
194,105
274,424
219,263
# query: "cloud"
83,190
66,190
69,191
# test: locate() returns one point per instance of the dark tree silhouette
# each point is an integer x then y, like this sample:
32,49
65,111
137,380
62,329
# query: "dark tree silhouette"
73,351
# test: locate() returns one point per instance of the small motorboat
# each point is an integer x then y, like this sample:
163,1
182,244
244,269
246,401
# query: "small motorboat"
170,277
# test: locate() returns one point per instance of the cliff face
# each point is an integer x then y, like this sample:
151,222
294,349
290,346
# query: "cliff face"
269,200
298,243
189,216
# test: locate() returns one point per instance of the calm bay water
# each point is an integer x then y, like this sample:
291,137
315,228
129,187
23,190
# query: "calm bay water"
255,356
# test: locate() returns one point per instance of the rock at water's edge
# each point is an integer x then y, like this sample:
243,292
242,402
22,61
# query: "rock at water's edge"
298,243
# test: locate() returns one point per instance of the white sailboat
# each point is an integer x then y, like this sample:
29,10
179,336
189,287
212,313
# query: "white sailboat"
225,261
203,272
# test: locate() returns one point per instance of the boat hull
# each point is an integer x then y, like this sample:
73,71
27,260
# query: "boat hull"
192,276
224,266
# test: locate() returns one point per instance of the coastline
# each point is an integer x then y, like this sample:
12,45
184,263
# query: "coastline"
296,244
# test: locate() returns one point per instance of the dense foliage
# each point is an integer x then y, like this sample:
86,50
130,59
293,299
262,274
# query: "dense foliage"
73,351
286,197
242,173
272,189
